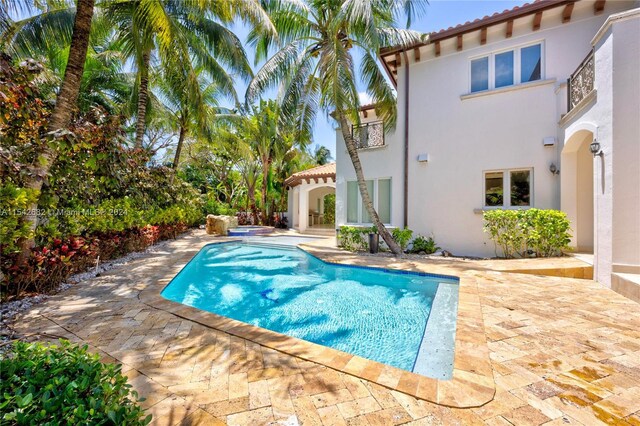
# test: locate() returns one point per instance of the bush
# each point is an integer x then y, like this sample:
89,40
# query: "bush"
14,200
50,384
402,237
353,238
214,206
421,244
543,233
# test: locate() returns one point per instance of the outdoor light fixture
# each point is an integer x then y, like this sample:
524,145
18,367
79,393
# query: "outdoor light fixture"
554,169
595,149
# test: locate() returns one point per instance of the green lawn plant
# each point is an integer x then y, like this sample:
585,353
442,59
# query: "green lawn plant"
43,384
527,232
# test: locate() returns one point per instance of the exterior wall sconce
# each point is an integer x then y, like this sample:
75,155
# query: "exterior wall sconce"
595,149
554,169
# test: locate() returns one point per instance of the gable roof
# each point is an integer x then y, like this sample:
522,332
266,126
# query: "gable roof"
324,172
507,15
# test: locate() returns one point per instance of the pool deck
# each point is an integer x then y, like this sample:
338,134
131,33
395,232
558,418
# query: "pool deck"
529,350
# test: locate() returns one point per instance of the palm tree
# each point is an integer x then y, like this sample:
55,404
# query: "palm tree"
65,104
171,33
190,109
314,66
322,155
181,33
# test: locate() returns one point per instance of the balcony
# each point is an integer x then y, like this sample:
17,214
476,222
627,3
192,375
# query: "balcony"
368,135
581,83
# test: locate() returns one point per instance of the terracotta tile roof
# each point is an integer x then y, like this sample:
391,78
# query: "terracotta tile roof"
497,18
321,172
470,26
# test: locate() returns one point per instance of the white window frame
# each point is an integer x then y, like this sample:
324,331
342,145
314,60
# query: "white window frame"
506,193
517,66
375,197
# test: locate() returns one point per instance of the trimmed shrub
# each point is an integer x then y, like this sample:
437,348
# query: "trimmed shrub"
421,244
522,233
51,384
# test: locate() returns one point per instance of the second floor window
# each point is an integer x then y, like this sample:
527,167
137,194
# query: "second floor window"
507,68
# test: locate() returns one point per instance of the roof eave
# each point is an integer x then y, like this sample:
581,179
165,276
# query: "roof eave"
495,19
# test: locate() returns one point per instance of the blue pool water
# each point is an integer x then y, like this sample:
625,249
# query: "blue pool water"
376,314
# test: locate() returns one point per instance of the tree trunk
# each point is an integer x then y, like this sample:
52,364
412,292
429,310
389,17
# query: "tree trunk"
265,180
61,116
252,204
176,159
362,185
143,95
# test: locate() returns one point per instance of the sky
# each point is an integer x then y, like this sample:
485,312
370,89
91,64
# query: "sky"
439,14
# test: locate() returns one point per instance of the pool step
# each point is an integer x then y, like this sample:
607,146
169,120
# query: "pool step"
327,232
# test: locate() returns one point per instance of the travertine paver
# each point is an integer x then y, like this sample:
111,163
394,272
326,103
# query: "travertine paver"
563,351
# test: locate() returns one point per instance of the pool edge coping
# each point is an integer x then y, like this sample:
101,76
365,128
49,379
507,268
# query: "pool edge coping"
472,384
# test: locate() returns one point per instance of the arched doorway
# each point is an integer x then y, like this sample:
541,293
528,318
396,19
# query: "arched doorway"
308,191
577,194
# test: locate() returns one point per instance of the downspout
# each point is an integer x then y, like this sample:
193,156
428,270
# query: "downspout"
406,139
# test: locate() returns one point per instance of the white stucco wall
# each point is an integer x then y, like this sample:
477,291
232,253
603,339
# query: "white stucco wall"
626,141
614,118
466,136
381,162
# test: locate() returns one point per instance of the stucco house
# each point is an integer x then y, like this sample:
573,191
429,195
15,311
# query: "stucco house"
504,112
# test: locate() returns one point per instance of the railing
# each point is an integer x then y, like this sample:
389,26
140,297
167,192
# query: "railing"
368,135
581,82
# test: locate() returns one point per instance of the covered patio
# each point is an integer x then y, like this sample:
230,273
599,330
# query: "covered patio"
311,192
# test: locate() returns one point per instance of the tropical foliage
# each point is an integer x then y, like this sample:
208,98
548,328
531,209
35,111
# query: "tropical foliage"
528,232
127,112
64,384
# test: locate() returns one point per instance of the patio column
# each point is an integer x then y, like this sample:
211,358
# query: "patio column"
303,210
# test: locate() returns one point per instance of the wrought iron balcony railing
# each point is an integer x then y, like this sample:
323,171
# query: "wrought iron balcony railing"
581,82
368,135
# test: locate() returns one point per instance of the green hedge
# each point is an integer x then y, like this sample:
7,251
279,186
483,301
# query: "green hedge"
50,385
12,227
522,233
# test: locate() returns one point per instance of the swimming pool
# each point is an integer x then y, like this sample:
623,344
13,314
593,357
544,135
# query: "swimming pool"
403,319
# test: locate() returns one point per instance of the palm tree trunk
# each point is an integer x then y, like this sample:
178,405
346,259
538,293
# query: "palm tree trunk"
143,95
61,116
364,193
176,158
252,203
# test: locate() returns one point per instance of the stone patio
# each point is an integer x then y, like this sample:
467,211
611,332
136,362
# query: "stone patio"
561,350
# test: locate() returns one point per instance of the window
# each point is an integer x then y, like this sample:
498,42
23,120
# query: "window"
384,200
520,187
352,202
479,74
380,193
531,63
493,189
507,188
503,69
